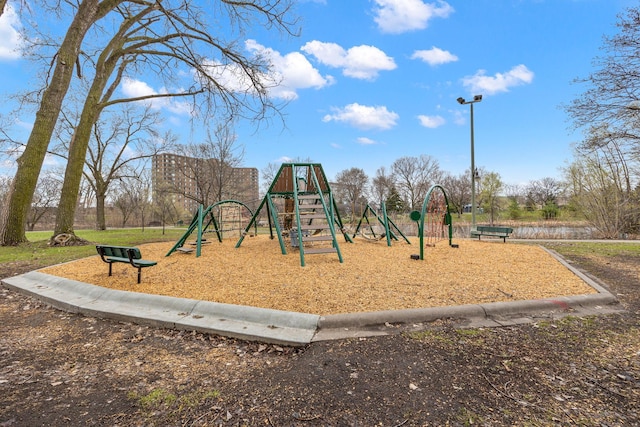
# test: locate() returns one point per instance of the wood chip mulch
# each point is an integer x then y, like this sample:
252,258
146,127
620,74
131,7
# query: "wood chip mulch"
373,276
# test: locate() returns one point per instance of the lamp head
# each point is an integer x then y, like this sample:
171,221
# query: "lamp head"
461,100
477,98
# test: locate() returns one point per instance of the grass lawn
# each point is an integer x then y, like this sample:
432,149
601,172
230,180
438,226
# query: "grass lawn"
41,254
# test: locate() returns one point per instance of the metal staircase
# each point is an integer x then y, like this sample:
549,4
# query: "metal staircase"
315,227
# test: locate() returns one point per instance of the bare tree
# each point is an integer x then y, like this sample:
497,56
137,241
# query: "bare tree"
163,205
125,200
458,190
609,111
381,185
132,195
612,97
5,184
600,193
157,36
225,154
142,190
268,174
414,176
137,41
541,192
12,223
351,188
492,185
45,199
120,145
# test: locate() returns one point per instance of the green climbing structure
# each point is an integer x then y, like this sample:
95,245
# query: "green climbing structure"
300,202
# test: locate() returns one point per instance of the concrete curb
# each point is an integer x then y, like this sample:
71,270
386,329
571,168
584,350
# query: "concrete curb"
489,314
251,323
289,328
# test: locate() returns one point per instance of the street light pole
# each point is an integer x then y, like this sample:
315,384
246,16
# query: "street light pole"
462,101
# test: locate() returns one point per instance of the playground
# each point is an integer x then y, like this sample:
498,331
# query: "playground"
512,375
373,276
349,272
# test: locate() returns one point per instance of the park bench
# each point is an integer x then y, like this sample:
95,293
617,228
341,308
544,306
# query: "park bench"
124,254
485,230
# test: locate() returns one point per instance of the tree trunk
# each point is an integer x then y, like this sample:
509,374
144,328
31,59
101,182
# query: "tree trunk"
12,230
100,219
73,173
80,141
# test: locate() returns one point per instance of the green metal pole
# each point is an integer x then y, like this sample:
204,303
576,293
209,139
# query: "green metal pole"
273,212
199,241
386,223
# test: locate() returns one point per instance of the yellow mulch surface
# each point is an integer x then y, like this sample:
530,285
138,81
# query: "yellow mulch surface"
373,276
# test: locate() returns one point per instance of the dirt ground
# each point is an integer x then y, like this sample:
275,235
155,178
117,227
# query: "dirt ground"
61,369
373,276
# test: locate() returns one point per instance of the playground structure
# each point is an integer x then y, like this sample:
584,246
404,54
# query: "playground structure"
220,218
434,221
384,222
300,202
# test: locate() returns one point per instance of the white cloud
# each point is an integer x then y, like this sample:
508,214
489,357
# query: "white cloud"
431,122
400,16
11,42
290,72
51,160
360,62
364,117
230,76
489,85
434,56
365,141
136,88
458,117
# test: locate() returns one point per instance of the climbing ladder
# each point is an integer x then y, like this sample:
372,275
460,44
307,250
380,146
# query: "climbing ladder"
311,216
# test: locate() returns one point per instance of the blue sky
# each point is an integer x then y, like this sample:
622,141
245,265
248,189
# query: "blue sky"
369,81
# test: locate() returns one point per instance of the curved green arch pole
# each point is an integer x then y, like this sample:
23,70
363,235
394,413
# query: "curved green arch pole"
226,202
419,216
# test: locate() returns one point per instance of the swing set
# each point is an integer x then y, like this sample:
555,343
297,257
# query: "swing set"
385,226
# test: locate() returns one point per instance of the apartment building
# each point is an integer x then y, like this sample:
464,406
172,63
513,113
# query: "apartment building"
189,180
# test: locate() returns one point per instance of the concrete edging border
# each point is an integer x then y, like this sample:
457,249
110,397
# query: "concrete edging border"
276,326
252,323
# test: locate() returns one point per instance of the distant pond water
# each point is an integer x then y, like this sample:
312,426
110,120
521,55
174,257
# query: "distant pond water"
528,231
542,232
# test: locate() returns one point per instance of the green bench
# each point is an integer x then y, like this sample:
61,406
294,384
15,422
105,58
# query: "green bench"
124,254
485,230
